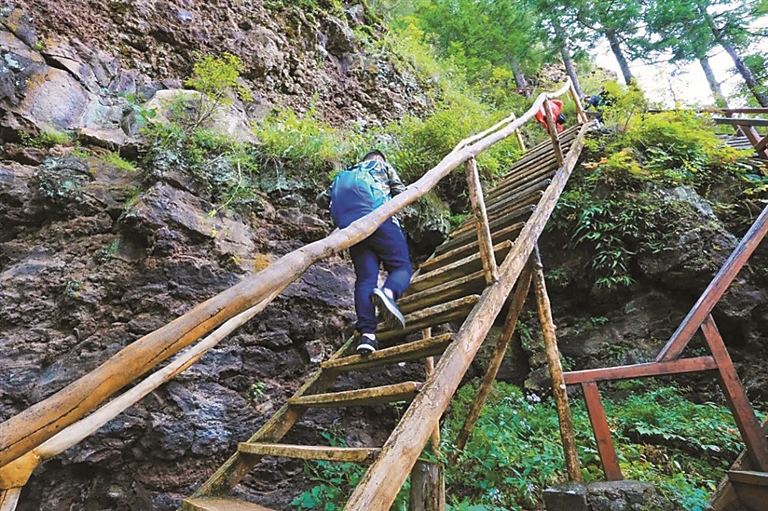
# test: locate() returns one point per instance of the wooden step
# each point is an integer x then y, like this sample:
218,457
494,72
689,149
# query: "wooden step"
402,353
444,254
452,290
457,269
220,504
492,207
502,191
542,150
509,219
310,452
432,316
751,488
405,391
509,209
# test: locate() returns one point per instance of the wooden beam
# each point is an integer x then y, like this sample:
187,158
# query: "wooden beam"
555,370
433,316
455,269
554,135
605,447
740,121
746,421
715,290
393,355
405,391
310,452
475,188
380,484
744,110
469,284
486,385
30,428
427,487
684,365
221,504
581,114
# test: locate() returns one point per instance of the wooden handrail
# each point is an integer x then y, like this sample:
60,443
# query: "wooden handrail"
22,433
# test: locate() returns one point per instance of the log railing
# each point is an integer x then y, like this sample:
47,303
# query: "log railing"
59,422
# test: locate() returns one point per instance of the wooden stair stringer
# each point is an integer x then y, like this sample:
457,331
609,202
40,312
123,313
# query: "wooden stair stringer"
468,309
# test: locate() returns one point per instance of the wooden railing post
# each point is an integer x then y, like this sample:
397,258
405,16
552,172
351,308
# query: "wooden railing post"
428,479
555,370
485,242
599,421
581,114
515,308
552,125
737,399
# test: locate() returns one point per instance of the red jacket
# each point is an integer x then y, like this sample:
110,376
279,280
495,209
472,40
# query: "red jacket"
541,115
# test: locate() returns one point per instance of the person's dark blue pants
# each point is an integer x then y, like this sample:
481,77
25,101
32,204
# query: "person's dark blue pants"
388,246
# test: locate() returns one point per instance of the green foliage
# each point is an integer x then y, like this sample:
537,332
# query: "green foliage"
114,159
334,482
225,168
514,451
46,138
612,206
306,143
217,80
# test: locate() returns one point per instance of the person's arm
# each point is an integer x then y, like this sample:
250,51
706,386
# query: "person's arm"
395,184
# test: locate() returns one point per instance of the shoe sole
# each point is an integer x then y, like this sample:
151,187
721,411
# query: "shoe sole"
393,314
365,349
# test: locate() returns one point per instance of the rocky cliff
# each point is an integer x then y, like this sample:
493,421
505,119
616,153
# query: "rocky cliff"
94,256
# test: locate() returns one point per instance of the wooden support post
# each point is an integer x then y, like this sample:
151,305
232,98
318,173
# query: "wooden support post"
490,269
519,135
602,432
555,370
581,114
428,479
515,308
742,411
425,494
552,128
520,141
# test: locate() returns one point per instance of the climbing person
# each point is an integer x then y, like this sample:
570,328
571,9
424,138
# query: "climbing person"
354,193
557,111
598,102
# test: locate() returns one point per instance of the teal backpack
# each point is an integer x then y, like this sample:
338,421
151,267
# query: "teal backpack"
355,193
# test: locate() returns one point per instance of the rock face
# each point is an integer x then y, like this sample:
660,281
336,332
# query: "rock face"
87,266
96,51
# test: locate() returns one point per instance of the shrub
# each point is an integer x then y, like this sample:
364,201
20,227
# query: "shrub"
611,204
114,159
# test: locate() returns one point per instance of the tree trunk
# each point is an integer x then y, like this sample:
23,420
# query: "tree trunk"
570,68
749,78
522,83
613,40
714,85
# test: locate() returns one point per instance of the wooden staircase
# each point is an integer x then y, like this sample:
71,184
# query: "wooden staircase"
446,288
